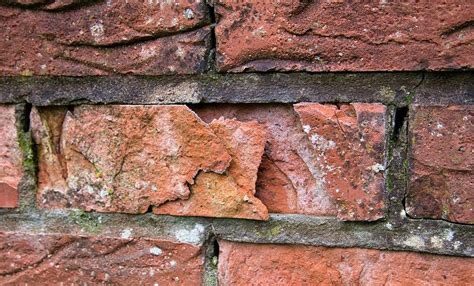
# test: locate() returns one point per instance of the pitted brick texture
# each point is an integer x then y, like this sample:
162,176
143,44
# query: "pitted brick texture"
130,158
79,37
257,264
330,163
318,36
230,194
10,158
76,260
349,143
442,163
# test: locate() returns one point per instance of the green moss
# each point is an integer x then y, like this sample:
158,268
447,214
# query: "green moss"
25,143
387,92
409,99
276,230
87,221
27,73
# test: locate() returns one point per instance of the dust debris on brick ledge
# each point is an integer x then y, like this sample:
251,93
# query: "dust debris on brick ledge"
236,142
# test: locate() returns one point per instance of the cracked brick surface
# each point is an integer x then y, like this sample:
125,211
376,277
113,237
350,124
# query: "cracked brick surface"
78,37
230,194
10,158
344,36
130,158
54,259
441,183
349,143
307,265
315,164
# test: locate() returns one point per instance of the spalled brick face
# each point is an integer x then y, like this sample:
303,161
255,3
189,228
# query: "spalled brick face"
56,259
343,36
442,163
130,158
10,158
257,264
320,159
78,37
348,141
231,194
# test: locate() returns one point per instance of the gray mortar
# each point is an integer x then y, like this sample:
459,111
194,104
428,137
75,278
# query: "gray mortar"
389,88
433,236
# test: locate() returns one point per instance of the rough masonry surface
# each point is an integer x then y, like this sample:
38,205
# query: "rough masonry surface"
344,36
442,163
71,259
305,265
104,37
10,158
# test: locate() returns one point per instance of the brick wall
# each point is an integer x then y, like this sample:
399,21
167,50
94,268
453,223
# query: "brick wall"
236,143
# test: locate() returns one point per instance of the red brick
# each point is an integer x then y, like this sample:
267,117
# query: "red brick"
37,259
130,158
442,163
123,158
286,181
294,176
10,158
348,141
230,194
104,37
264,264
318,36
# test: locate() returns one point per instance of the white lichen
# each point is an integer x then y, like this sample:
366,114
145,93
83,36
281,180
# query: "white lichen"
156,251
415,242
126,233
377,168
193,236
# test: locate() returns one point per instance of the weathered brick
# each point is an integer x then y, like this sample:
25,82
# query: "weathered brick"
348,141
76,37
314,36
10,158
442,163
124,158
130,158
37,259
301,173
230,194
288,167
264,264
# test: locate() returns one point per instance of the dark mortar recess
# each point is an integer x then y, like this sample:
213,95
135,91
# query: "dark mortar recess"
397,88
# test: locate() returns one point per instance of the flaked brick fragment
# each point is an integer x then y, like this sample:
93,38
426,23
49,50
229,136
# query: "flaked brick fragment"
348,142
39,259
289,178
266,264
10,158
441,184
230,194
122,158
294,176
300,35
104,37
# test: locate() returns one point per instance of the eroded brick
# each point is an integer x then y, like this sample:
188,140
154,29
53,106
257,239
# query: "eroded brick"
37,259
344,36
76,37
230,194
289,178
442,163
122,158
336,168
130,158
10,158
348,141
265,264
